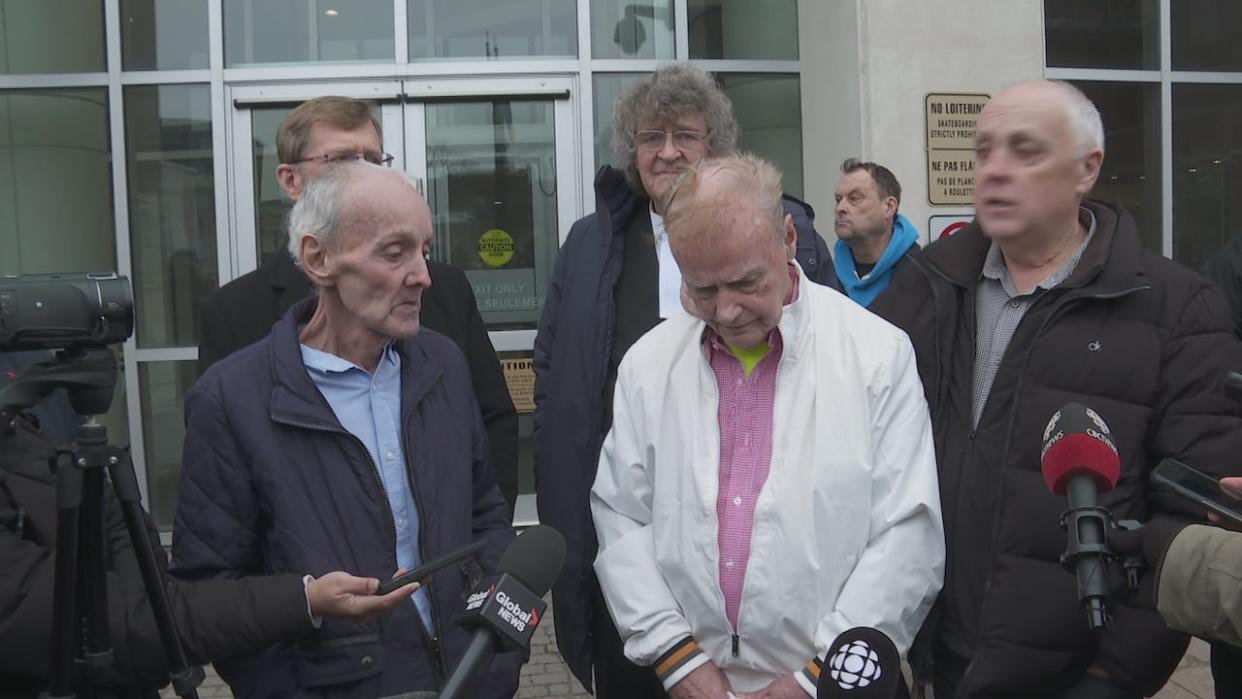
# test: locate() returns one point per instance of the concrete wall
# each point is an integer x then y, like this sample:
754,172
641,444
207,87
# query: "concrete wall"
867,66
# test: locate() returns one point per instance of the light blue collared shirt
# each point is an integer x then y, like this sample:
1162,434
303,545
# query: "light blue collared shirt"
368,406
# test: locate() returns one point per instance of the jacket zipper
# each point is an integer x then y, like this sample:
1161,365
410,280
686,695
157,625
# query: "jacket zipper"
1062,304
433,639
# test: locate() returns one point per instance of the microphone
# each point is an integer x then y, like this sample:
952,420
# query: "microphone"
506,608
1079,460
862,663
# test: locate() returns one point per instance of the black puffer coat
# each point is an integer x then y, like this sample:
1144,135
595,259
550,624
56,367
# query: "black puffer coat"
215,619
1137,337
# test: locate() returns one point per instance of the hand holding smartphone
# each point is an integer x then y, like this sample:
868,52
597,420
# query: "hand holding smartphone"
1199,488
424,571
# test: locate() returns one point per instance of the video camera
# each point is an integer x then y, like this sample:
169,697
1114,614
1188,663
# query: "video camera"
64,311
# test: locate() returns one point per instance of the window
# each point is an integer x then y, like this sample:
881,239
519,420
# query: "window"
443,29
51,36
626,29
1102,33
1181,190
305,31
172,216
743,29
163,34
1207,170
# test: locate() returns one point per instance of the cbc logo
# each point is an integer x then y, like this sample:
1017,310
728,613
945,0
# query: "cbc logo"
854,666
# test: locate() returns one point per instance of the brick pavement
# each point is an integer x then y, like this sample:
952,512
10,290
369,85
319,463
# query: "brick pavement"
546,675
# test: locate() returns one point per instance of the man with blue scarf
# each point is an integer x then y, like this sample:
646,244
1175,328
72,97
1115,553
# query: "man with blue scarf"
872,237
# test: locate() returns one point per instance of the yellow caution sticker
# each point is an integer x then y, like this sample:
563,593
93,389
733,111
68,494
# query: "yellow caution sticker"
495,248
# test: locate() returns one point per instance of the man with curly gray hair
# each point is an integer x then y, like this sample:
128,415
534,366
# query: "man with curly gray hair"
615,279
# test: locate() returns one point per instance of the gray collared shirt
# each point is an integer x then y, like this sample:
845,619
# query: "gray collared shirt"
999,308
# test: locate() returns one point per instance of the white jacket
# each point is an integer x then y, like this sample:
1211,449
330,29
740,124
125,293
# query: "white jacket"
847,528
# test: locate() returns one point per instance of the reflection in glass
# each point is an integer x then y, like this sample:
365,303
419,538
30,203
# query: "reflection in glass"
172,215
1103,33
1130,175
632,28
743,29
51,36
608,88
271,208
164,34
1207,170
442,29
769,119
307,31
55,182
163,386
491,184
1205,34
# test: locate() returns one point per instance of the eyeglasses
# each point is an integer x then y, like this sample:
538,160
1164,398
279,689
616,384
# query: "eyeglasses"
348,156
682,140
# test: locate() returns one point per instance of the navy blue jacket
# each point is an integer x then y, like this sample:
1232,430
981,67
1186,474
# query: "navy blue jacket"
272,483
572,348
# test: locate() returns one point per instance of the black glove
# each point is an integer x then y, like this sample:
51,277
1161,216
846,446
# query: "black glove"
1150,542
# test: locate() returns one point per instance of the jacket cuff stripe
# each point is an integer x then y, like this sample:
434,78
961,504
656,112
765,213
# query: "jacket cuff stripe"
812,671
675,657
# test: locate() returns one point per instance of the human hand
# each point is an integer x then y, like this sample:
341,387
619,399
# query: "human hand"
339,594
704,682
1231,486
786,687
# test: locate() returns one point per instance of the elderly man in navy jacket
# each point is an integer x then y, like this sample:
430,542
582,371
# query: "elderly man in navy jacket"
348,438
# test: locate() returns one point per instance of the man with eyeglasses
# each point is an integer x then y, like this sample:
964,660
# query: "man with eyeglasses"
615,279
315,137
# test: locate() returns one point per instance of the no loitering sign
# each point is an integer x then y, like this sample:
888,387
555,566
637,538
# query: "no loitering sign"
951,121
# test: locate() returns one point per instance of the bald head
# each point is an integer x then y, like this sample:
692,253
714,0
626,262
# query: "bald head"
348,194
736,196
1038,152
1081,118
733,244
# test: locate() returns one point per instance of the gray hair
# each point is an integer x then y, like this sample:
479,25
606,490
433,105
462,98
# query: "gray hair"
318,211
669,92
1084,119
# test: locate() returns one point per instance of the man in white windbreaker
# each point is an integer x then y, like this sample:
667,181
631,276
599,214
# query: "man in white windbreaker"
769,480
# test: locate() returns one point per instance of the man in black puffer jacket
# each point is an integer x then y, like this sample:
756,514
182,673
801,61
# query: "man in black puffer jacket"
1043,300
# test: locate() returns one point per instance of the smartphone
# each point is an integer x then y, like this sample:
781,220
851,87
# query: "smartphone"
1197,487
422,572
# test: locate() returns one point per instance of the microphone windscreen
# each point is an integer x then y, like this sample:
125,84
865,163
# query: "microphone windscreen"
1077,442
535,558
862,663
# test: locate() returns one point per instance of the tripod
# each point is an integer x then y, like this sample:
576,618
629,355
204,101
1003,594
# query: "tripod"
80,632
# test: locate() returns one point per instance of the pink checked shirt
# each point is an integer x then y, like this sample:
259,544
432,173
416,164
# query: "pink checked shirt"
745,419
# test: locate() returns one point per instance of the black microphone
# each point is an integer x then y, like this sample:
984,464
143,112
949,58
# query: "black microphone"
863,663
507,607
1079,460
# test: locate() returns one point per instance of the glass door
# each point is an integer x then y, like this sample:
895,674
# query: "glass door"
499,162
259,206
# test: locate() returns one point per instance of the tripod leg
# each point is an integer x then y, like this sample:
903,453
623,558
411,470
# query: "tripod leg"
97,655
64,612
185,679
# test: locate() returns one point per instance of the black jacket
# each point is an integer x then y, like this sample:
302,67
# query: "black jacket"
242,312
215,619
1225,269
572,350
1143,341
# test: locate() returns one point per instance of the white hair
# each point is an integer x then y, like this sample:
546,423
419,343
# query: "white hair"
1084,119
318,210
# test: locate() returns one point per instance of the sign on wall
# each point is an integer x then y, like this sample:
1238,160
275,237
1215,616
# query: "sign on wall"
519,369
942,226
951,120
